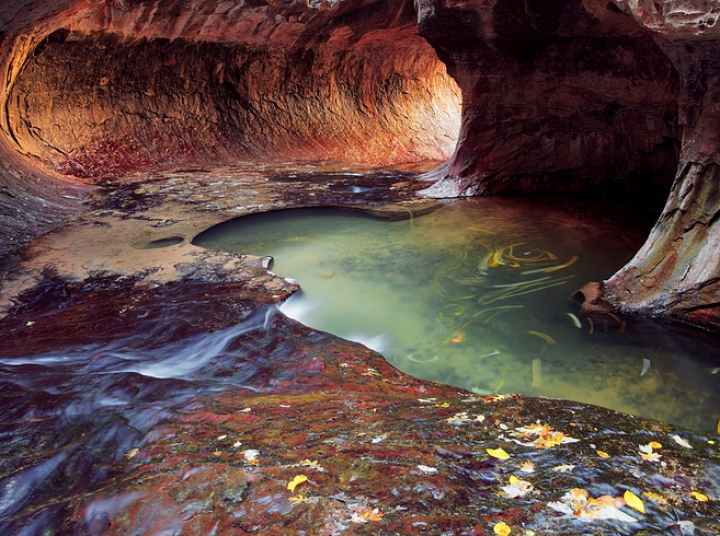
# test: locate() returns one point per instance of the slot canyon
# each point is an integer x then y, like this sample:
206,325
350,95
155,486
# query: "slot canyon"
130,127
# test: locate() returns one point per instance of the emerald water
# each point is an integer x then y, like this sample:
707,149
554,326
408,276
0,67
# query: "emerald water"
477,295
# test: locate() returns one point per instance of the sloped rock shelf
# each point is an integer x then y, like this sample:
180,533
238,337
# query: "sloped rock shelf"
476,295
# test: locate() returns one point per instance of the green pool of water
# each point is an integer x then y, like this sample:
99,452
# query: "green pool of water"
476,295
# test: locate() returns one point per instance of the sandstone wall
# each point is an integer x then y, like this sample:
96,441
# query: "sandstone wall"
556,96
90,90
127,86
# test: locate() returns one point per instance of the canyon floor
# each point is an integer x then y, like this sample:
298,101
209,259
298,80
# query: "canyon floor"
276,428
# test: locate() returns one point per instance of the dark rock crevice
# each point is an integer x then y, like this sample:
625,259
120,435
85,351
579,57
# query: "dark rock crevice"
554,100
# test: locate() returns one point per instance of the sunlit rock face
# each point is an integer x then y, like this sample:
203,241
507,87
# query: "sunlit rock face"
556,96
93,89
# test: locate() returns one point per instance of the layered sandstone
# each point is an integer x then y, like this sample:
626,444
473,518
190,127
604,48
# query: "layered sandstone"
677,272
96,89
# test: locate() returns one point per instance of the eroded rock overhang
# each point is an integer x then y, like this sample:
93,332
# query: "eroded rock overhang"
557,96
97,89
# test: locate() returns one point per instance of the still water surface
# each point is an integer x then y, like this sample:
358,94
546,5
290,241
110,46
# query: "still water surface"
476,295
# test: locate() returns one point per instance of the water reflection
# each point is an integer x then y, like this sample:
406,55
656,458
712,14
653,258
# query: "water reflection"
476,295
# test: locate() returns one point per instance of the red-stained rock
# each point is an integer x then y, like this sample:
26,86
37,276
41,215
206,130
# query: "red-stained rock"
197,418
117,87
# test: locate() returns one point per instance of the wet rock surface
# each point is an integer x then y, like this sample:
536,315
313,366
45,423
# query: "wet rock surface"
176,397
199,415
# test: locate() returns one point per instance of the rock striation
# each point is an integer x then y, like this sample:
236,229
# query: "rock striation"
96,89
676,272
555,97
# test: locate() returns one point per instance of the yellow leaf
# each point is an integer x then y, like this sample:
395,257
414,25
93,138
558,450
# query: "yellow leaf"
603,454
527,467
514,479
633,501
131,453
655,497
297,499
498,453
547,338
699,496
502,529
655,445
299,479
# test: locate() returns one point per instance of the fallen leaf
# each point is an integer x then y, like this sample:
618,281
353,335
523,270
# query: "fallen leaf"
459,418
680,441
297,499
498,453
633,501
246,410
655,445
251,455
563,468
427,470
516,488
502,529
364,514
220,438
655,497
650,456
295,482
699,496
527,467
132,453
603,454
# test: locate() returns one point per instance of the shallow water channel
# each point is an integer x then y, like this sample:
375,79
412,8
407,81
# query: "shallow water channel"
477,295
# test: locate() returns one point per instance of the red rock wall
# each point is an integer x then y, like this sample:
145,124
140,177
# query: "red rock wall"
90,89
129,86
677,272
556,96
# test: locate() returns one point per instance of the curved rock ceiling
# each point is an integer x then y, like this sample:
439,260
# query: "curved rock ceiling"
558,95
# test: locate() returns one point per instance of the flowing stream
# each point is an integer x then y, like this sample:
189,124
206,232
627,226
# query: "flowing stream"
476,295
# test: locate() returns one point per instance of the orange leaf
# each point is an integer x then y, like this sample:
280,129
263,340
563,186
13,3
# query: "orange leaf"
603,454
